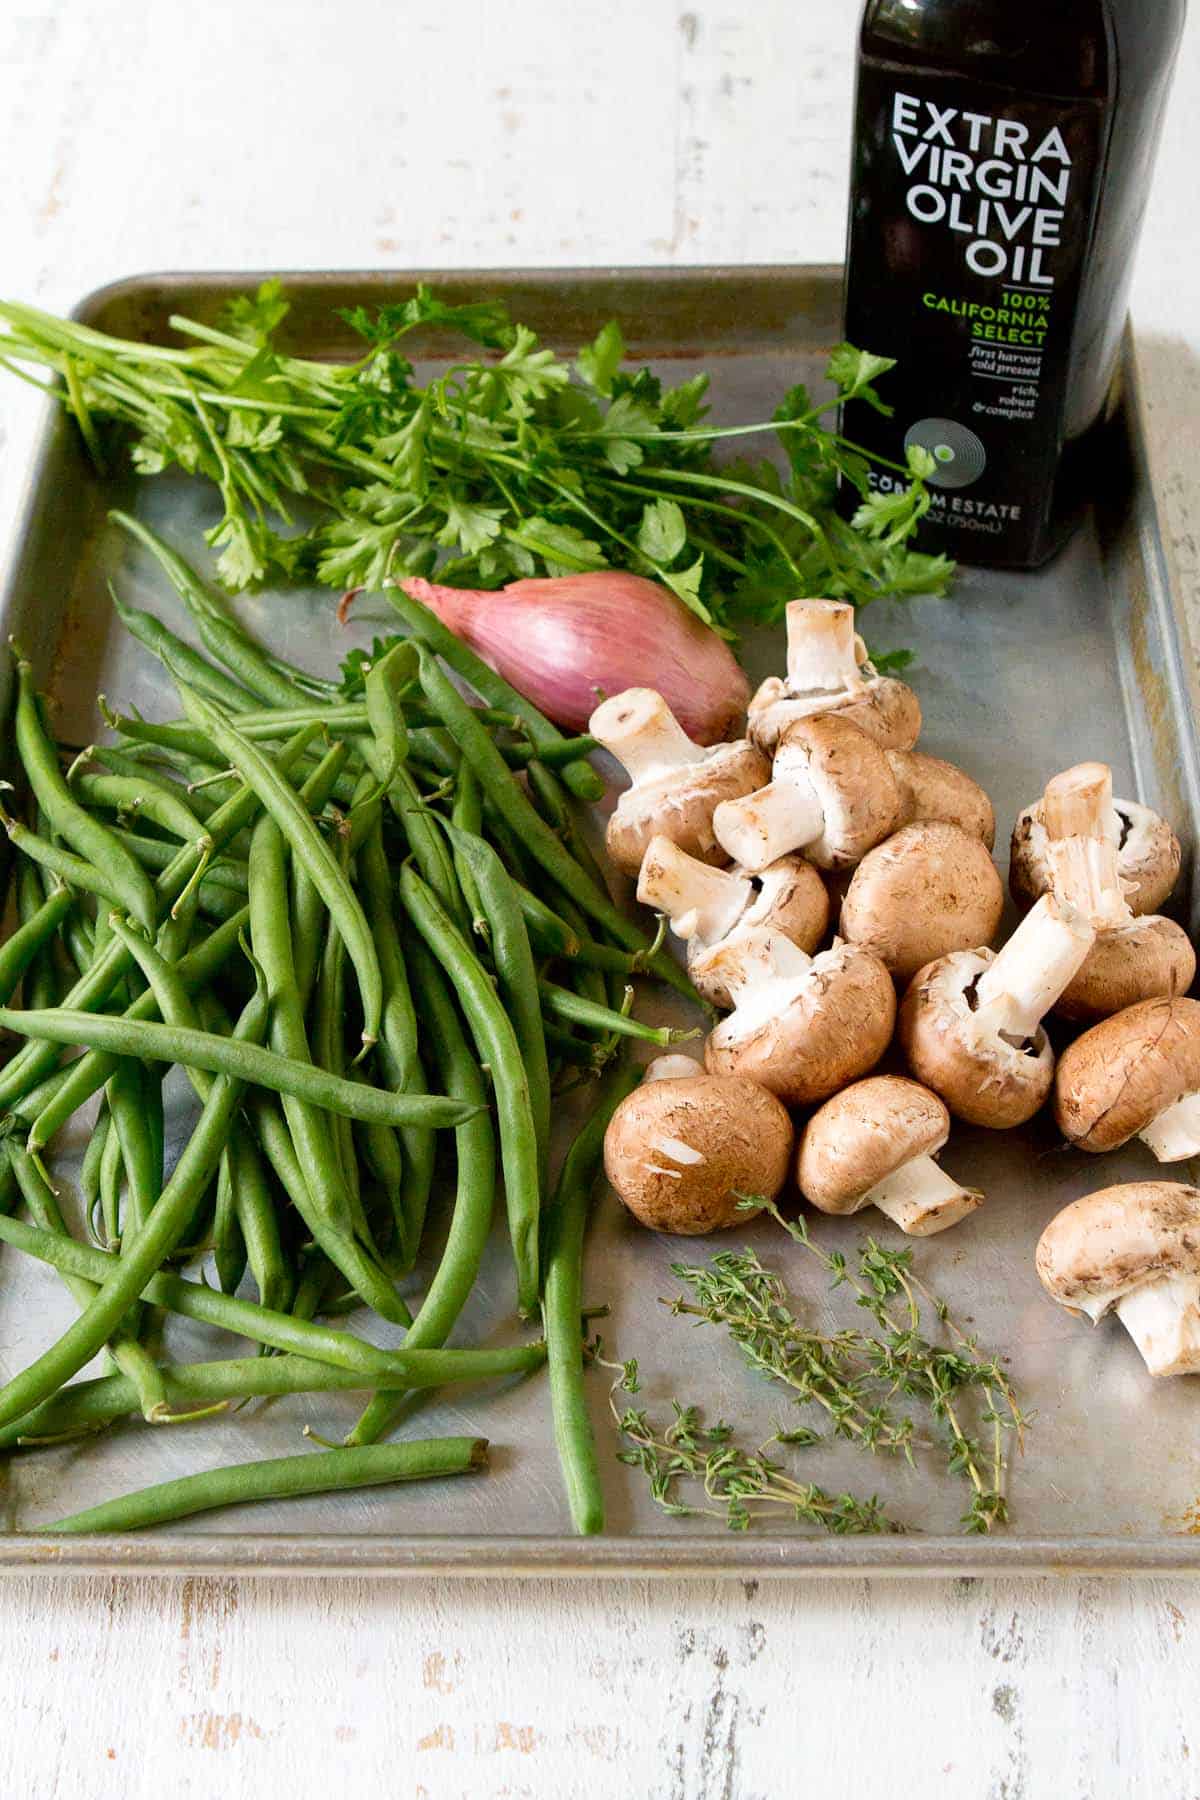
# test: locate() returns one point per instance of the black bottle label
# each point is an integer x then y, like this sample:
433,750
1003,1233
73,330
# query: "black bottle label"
969,231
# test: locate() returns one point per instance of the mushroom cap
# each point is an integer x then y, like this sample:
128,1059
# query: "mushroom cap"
1106,1244
791,898
937,790
863,1135
886,709
680,805
1117,1077
983,1079
1148,857
926,891
679,1152
859,794
835,1027
1148,959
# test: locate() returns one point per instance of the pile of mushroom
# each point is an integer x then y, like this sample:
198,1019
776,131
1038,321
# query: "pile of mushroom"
745,848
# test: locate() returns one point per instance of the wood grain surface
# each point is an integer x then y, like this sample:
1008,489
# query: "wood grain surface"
258,135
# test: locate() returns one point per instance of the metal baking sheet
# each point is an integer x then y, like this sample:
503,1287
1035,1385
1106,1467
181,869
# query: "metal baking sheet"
1018,676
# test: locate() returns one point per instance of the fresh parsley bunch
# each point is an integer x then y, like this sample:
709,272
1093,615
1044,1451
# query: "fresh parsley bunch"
510,462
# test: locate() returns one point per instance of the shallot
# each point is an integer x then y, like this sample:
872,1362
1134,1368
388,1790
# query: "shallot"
568,641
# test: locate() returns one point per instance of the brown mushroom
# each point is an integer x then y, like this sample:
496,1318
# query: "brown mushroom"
1135,1250
927,890
1133,958
831,794
675,784
706,905
970,1023
802,1026
684,1147
931,789
873,1145
1136,1074
828,671
1081,804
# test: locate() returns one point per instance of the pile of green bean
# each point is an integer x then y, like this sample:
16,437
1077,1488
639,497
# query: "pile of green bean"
371,932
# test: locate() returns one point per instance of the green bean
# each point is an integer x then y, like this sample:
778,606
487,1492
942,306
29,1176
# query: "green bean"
228,873
381,1154
397,1053
251,1063
78,938
316,1272
383,691
94,987
91,1405
530,829
576,1010
84,1077
350,717
303,1187
433,745
280,1478
148,1248
310,1129
584,1053
257,1221
112,1163
570,750
516,976
467,814
22,946
307,907
562,1306
474,1201
263,725
201,602
140,1145
131,1358
85,835
228,1246
429,848
221,889
133,1130
181,662
89,1168
545,785
76,871
424,624
498,1047
329,1046
284,805
142,797
194,1300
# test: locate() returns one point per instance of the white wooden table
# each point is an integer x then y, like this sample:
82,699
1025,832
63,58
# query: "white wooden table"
249,133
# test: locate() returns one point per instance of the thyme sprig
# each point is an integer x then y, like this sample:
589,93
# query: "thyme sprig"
852,1375
906,1361
739,1484
735,1290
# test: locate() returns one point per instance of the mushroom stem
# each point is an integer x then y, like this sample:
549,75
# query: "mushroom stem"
781,817
1163,1319
699,901
642,732
675,1067
921,1198
1175,1134
822,648
1079,803
1039,961
762,970
1083,873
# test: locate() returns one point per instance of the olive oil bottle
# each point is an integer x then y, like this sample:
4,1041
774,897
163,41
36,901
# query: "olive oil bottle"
1003,152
